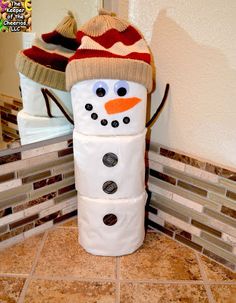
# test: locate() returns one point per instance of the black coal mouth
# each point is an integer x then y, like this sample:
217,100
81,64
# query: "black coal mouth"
104,122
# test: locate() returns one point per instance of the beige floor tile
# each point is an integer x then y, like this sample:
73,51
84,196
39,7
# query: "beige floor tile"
63,256
216,272
42,291
160,258
19,258
224,293
153,293
10,289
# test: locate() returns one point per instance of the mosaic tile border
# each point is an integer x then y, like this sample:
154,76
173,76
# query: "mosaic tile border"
194,202
37,189
9,107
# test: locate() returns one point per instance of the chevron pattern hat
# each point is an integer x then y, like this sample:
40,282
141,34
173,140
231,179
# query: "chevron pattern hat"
45,62
110,48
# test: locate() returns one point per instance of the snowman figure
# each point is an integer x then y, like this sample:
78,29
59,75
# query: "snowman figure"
47,109
109,77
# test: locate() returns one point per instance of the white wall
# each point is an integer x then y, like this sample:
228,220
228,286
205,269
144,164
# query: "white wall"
194,47
46,14
10,43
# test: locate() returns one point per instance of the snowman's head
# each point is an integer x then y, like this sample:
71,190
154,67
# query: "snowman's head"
109,107
109,77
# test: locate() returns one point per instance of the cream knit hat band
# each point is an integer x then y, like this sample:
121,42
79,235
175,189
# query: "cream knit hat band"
109,68
40,73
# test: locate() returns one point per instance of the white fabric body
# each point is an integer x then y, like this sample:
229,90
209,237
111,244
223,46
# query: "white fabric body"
33,129
92,173
124,237
83,93
33,100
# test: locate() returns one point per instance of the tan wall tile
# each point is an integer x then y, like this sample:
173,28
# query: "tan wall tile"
10,184
157,184
216,241
16,191
194,181
12,218
28,163
217,250
220,217
43,150
36,177
7,177
222,200
47,189
12,200
206,228
192,188
45,165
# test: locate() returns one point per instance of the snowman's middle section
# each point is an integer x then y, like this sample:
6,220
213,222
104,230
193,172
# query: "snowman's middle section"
109,167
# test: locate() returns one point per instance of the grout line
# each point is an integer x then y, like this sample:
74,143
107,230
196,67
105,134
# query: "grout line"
183,282
29,278
117,280
221,283
71,279
12,275
205,280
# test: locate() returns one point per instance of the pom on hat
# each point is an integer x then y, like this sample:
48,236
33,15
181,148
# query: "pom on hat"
110,48
46,63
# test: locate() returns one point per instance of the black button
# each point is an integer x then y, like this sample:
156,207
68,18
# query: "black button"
126,120
110,159
109,187
94,116
121,91
115,123
110,219
100,92
88,107
104,122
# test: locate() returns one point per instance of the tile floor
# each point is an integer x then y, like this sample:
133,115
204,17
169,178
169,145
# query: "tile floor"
52,267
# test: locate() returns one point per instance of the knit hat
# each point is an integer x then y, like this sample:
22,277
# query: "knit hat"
64,33
110,48
45,62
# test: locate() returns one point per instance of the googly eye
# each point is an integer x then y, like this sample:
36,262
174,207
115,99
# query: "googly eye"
100,88
121,88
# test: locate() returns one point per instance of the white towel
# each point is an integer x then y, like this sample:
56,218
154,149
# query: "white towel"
34,129
33,100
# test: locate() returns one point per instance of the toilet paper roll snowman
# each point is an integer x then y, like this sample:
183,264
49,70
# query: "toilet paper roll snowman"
109,77
47,109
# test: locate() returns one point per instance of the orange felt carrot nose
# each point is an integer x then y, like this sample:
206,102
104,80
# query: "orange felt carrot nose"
120,105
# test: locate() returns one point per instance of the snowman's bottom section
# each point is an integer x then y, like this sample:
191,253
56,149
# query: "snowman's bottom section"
33,129
111,227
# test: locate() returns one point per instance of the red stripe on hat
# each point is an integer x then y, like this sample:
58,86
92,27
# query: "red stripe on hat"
58,39
127,37
87,53
50,60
